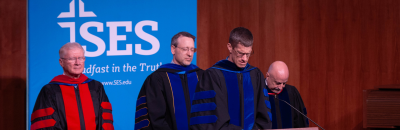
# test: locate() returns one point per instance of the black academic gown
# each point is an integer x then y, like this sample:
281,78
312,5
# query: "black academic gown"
61,106
283,116
230,98
164,100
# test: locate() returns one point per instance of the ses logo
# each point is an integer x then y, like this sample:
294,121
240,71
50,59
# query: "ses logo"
114,38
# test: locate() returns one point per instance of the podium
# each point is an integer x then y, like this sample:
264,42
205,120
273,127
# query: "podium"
307,128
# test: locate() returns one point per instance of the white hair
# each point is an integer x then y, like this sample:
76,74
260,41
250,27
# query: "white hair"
69,46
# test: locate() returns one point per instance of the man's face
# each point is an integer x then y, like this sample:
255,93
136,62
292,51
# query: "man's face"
73,61
183,52
240,54
276,82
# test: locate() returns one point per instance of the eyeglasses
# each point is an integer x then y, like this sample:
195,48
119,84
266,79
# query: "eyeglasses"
239,54
187,49
72,59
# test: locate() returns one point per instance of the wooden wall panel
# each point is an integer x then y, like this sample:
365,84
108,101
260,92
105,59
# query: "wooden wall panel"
334,48
12,64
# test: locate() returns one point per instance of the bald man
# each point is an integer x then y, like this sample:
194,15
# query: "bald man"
72,101
283,116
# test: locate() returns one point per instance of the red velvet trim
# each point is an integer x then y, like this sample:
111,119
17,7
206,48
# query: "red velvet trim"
42,112
108,126
275,93
43,124
107,116
71,107
65,79
87,107
106,105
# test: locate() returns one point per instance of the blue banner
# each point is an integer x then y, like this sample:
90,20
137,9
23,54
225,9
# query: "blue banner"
124,42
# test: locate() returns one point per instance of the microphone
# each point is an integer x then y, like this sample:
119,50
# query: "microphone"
299,112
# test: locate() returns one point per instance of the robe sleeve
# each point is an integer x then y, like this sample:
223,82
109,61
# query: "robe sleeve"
105,118
209,110
45,115
263,111
151,106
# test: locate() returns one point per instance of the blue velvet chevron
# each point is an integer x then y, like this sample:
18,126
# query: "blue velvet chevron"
141,100
268,104
203,107
142,124
204,95
141,112
266,92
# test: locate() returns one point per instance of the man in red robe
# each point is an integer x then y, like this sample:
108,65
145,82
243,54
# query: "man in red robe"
72,101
